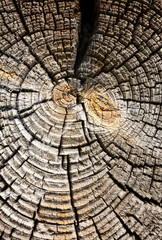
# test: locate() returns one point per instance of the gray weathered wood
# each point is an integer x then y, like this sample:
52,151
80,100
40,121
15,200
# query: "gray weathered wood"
80,120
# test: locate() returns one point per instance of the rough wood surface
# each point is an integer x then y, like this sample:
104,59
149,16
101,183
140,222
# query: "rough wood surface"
80,120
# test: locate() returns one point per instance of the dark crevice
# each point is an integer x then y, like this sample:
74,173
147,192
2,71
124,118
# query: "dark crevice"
142,198
39,204
127,7
120,185
81,145
4,109
134,216
86,115
18,198
89,17
1,236
64,163
79,151
8,89
10,118
98,233
76,223
23,162
137,237
28,90
84,109
62,133
6,185
21,17
152,179
76,230
12,231
84,131
71,191
35,225
34,104
57,7
28,114
12,155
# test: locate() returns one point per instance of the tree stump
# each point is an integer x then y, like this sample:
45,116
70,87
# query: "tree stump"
80,120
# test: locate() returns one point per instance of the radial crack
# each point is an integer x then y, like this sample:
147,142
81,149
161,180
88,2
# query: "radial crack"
34,226
34,104
137,237
89,16
71,197
63,130
11,156
98,233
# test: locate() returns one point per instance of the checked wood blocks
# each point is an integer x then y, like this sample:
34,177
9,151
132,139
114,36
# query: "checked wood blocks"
80,120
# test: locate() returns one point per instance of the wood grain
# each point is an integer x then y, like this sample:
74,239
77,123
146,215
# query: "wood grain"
80,120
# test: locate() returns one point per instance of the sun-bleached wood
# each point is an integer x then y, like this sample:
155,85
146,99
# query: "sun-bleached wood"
80,120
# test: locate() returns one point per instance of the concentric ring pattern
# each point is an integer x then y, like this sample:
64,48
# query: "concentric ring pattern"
80,144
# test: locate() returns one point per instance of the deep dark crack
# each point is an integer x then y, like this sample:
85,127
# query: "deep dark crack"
89,16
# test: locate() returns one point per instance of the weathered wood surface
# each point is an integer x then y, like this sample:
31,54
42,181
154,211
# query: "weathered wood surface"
80,119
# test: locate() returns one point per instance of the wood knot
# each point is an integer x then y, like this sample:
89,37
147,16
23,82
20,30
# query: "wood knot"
102,108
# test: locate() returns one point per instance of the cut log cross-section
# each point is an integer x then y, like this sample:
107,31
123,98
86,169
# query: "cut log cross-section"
80,120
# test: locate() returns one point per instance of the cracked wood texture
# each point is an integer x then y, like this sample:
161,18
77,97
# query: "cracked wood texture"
80,119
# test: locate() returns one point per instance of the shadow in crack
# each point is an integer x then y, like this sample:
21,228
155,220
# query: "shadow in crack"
89,17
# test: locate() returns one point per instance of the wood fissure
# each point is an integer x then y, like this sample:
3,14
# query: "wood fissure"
80,119
89,17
